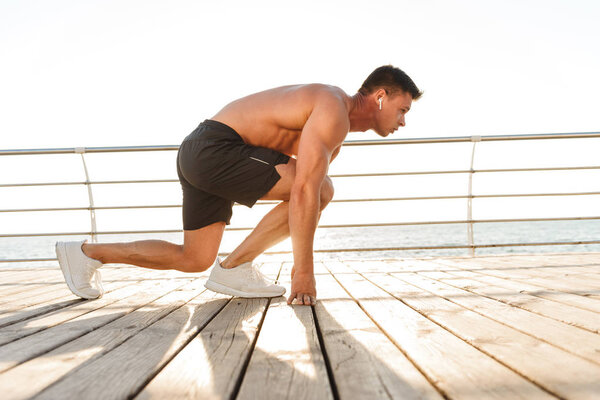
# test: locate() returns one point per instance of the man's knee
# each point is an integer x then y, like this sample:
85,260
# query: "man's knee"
197,263
326,192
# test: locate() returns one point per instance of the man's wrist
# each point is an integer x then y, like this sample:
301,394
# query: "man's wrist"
304,273
304,268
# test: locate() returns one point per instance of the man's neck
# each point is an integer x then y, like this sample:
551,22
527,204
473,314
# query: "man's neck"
360,114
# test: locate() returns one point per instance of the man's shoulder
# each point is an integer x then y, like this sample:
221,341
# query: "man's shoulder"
330,98
323,91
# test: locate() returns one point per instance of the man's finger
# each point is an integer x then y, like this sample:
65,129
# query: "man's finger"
299,298
291,298
306,299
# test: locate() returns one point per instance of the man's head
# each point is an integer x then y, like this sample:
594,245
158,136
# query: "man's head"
391,92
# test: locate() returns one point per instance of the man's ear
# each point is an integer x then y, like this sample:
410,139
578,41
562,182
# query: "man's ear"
379,94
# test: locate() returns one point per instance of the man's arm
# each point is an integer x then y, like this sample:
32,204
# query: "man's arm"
323,132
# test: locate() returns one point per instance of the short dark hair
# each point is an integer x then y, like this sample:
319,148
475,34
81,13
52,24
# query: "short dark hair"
391,79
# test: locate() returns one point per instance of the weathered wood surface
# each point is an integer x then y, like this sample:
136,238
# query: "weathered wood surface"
365,363
493,327
287,361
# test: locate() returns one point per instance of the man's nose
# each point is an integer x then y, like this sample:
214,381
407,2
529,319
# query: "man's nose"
402,121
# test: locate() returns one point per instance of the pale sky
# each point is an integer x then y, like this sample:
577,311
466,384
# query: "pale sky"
124,72
109,73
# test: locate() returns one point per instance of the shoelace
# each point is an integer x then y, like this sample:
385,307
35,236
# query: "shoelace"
260,276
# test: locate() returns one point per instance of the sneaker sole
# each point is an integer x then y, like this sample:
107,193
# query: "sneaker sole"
217,287
61,253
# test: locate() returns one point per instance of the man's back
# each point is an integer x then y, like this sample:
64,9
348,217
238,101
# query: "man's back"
274,118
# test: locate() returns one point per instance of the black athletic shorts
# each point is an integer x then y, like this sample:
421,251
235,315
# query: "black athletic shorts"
216,168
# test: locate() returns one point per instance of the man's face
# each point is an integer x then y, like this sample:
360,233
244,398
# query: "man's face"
393,110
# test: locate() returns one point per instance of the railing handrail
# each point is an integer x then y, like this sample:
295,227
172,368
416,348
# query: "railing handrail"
375,142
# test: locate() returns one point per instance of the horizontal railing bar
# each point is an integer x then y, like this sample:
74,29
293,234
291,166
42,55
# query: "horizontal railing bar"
332,201
92,208
536,169
68,150
572,135
366,249
418,223
89,183
457,139
465,171
475,196
374,174
370,225
4,185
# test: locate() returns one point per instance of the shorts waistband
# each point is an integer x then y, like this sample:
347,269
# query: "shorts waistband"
221,126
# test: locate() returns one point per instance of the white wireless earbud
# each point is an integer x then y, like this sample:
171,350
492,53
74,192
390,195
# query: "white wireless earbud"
380,103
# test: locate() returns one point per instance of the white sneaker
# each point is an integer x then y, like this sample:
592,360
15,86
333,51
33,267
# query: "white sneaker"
244,280
79,270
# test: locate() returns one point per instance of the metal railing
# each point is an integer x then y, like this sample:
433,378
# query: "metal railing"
469,221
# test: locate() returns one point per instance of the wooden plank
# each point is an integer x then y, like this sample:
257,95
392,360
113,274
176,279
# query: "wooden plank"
559,372
42,295
37,309
271,269
8,292
512,293
566,260
119,291
581,258
541,266
69,299
571,299
395,266
210,365
569,338
17,352
364,362
56,364
28,282
538,267
28,274
533,279
287,361
459,370
118,375
35,294
37,285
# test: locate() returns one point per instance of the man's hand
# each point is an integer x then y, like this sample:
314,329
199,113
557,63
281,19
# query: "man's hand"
304,288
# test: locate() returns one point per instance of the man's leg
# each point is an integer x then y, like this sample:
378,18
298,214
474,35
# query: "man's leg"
198,252
274,227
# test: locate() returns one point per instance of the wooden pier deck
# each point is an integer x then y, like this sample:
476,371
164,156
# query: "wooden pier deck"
501,327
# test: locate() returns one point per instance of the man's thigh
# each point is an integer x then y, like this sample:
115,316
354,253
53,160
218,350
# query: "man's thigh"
283,187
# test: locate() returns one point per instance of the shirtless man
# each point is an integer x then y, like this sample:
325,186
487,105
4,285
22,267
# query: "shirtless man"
272,145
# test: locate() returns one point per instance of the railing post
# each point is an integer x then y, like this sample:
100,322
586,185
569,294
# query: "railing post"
81,150
474,139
